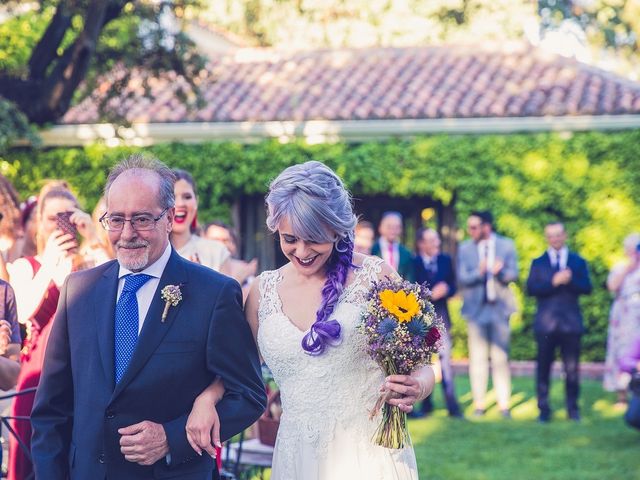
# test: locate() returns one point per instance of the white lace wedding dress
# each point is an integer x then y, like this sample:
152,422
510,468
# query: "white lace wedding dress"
325,432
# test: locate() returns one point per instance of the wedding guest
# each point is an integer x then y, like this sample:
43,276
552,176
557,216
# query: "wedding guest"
364,237
9,338
487,263
624,318
243,272
435,269
27,244
10,226
557,279
200,250
389,248
37,281
311,346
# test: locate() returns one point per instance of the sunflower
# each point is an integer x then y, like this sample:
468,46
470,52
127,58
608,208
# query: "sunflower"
402,306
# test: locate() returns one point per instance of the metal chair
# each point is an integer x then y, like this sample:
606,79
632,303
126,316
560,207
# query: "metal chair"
6,421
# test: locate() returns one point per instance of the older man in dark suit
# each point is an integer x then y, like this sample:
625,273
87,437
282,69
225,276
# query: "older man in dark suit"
134,342
557,279
435,269
389,248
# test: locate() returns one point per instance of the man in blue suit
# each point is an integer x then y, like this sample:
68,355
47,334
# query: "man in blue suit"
557,279
126,359
435,269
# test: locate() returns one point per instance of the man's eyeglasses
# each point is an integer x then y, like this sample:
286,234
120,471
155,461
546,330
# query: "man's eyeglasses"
140,223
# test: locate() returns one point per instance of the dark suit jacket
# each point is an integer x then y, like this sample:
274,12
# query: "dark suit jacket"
444,273
405,264
78,408
558,307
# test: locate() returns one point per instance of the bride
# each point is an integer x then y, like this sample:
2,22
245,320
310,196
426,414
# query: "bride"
304,318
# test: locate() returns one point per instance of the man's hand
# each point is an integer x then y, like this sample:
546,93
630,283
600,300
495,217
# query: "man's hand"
498,265
439,290
562,277
144,443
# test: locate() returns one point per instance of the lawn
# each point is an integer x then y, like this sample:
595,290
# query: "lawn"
600,447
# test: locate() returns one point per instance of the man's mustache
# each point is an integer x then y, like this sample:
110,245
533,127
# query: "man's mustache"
138,244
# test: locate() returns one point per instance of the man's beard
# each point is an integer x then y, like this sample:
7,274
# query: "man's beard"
137,263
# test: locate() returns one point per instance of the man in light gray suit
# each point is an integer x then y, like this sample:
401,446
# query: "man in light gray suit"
487,263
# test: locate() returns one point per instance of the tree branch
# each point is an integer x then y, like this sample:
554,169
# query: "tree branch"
45,52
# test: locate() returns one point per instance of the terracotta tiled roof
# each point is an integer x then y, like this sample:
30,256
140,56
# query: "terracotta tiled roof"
383,83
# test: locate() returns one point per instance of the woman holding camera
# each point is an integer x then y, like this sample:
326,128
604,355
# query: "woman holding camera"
37,281
624,318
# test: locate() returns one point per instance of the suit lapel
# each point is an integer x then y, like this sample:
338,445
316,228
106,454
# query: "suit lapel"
105,305
153,329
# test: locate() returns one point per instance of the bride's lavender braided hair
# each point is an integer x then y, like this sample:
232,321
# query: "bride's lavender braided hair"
318,206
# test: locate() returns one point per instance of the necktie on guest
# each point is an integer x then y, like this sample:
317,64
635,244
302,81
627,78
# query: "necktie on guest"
556,265
392,260
127,323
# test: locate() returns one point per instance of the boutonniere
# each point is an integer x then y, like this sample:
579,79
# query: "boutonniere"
172,296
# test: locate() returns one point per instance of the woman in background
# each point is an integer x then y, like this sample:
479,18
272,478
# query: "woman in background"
624,318
37,281
209,253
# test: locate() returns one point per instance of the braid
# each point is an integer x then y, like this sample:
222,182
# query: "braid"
325,332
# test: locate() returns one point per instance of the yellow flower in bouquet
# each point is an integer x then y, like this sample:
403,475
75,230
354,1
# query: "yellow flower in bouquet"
401,305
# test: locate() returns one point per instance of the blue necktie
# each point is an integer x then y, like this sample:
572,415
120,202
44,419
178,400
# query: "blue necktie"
126,324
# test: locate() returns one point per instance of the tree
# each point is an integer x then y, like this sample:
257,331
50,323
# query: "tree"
84,36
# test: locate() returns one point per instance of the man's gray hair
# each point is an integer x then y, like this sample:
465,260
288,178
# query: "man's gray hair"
138,161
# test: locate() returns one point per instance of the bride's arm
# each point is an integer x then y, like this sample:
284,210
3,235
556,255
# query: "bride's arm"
203,424
251,310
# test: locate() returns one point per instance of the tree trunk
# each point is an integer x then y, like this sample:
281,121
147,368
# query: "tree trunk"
46,97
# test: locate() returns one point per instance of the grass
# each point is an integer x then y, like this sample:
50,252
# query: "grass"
600,447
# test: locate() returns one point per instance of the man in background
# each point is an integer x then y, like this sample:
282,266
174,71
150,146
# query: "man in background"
389,248
435,269
487,263
557,279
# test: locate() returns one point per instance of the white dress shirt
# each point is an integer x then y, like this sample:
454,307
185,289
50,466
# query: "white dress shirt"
487,250
384,252
145,294
563,253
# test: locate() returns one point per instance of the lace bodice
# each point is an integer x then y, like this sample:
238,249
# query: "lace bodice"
320,393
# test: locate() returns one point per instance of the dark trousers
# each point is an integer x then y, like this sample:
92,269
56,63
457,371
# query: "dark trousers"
448,388
569,344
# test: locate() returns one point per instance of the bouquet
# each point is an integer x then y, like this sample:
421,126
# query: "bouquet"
402,333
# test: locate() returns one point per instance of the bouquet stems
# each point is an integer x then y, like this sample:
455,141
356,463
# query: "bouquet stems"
392,431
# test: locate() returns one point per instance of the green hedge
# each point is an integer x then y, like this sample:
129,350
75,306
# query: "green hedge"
588,180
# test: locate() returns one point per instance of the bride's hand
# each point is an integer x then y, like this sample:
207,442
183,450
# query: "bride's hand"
406,390
203,427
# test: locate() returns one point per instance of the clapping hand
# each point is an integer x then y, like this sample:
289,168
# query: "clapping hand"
5,336
144,443
562,277
498,265
439,290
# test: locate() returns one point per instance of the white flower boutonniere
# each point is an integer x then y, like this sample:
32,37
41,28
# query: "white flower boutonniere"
172,296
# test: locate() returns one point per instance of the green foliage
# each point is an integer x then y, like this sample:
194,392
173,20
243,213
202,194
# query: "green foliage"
18,36
588,180
14,125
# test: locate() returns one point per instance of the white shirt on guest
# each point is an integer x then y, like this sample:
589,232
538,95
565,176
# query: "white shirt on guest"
146,292
553,256
384,252
487,249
